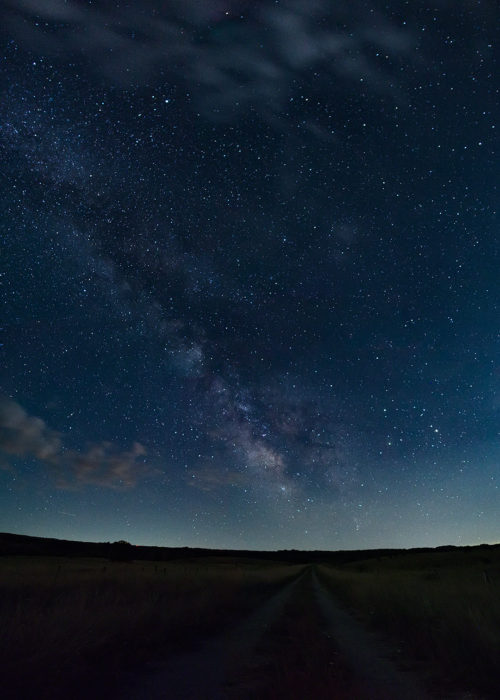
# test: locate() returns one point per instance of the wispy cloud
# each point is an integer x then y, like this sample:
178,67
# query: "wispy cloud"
213,478
104,465
101,464
23,435
232,56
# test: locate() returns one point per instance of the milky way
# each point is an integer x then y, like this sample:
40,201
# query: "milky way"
250,290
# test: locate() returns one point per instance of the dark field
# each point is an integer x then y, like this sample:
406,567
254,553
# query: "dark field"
440,609
90,627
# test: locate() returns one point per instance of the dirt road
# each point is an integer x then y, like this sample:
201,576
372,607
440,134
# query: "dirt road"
301,643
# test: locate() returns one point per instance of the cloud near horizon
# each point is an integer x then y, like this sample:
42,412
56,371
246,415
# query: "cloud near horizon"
102,464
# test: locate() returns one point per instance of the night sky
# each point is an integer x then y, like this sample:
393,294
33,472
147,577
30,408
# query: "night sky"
250,288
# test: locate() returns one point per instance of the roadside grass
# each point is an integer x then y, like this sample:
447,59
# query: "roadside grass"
441,610
73,622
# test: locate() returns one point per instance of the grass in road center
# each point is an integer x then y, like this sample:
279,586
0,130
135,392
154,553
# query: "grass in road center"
296,659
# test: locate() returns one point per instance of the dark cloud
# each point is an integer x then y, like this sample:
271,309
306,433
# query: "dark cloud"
102,464
232,56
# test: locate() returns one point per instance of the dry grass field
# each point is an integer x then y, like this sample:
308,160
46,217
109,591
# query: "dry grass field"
72,626
440,609
74,623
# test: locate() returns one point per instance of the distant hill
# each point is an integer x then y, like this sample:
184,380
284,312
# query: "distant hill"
11,544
